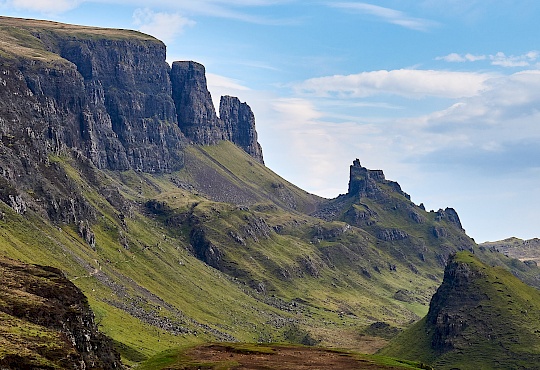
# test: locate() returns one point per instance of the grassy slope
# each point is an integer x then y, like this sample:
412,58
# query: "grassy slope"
147,265
501,330
321,281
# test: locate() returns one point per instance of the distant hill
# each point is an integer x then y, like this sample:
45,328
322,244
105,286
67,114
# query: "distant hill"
523,250
481,317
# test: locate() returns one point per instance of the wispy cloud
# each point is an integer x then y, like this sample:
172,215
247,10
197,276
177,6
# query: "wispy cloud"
164,26
404,82
455,57
234,9
525,60
498,59
389,15
43,6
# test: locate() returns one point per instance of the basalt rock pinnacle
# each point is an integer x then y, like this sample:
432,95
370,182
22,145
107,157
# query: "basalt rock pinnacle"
197,117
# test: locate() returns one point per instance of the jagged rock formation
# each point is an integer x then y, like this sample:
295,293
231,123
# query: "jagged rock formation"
363,182
40,299
480,317
239,123
196,114
197,117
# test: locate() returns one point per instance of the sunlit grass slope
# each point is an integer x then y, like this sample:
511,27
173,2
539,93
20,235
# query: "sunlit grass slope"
482,317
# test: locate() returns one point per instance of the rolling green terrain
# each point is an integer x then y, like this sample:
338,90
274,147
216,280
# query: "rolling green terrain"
178,268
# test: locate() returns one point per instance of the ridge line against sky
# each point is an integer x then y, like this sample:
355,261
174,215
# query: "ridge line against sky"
440,94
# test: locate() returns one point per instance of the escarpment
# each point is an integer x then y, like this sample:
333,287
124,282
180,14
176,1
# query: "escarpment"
114,99
104,98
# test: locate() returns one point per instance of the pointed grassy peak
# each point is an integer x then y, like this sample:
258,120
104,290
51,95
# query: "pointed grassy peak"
481,317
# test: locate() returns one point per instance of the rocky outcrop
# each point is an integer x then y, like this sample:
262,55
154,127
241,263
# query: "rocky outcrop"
196,114
42,297
449,215
197,117
447,315
365,183
239,123
98,98
392,235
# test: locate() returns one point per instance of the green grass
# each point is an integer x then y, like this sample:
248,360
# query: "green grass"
501,315
290,270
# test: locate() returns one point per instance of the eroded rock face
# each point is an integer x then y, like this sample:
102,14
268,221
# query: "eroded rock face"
113,102
239,122
43,296
196,113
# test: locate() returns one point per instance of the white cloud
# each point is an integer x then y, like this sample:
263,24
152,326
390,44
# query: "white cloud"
44,6
494,121
455,57
525,60
164,26
386,14
499,59
404,82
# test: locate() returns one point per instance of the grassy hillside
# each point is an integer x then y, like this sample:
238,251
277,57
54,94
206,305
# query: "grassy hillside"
226,250
481,317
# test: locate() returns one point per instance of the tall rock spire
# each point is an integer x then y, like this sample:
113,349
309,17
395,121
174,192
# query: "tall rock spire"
239,122
194,108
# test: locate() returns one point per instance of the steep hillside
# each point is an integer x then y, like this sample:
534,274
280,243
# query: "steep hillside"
481,317
46,323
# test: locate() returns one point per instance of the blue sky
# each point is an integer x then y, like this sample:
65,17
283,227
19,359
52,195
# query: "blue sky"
443,95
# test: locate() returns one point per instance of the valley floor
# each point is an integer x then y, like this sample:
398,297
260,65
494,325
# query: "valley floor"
269,357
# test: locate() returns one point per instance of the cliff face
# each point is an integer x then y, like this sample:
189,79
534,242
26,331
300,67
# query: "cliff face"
239,123
111,97
197,117
41,298
104,97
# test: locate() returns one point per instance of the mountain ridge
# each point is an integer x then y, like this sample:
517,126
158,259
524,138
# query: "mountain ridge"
186,237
